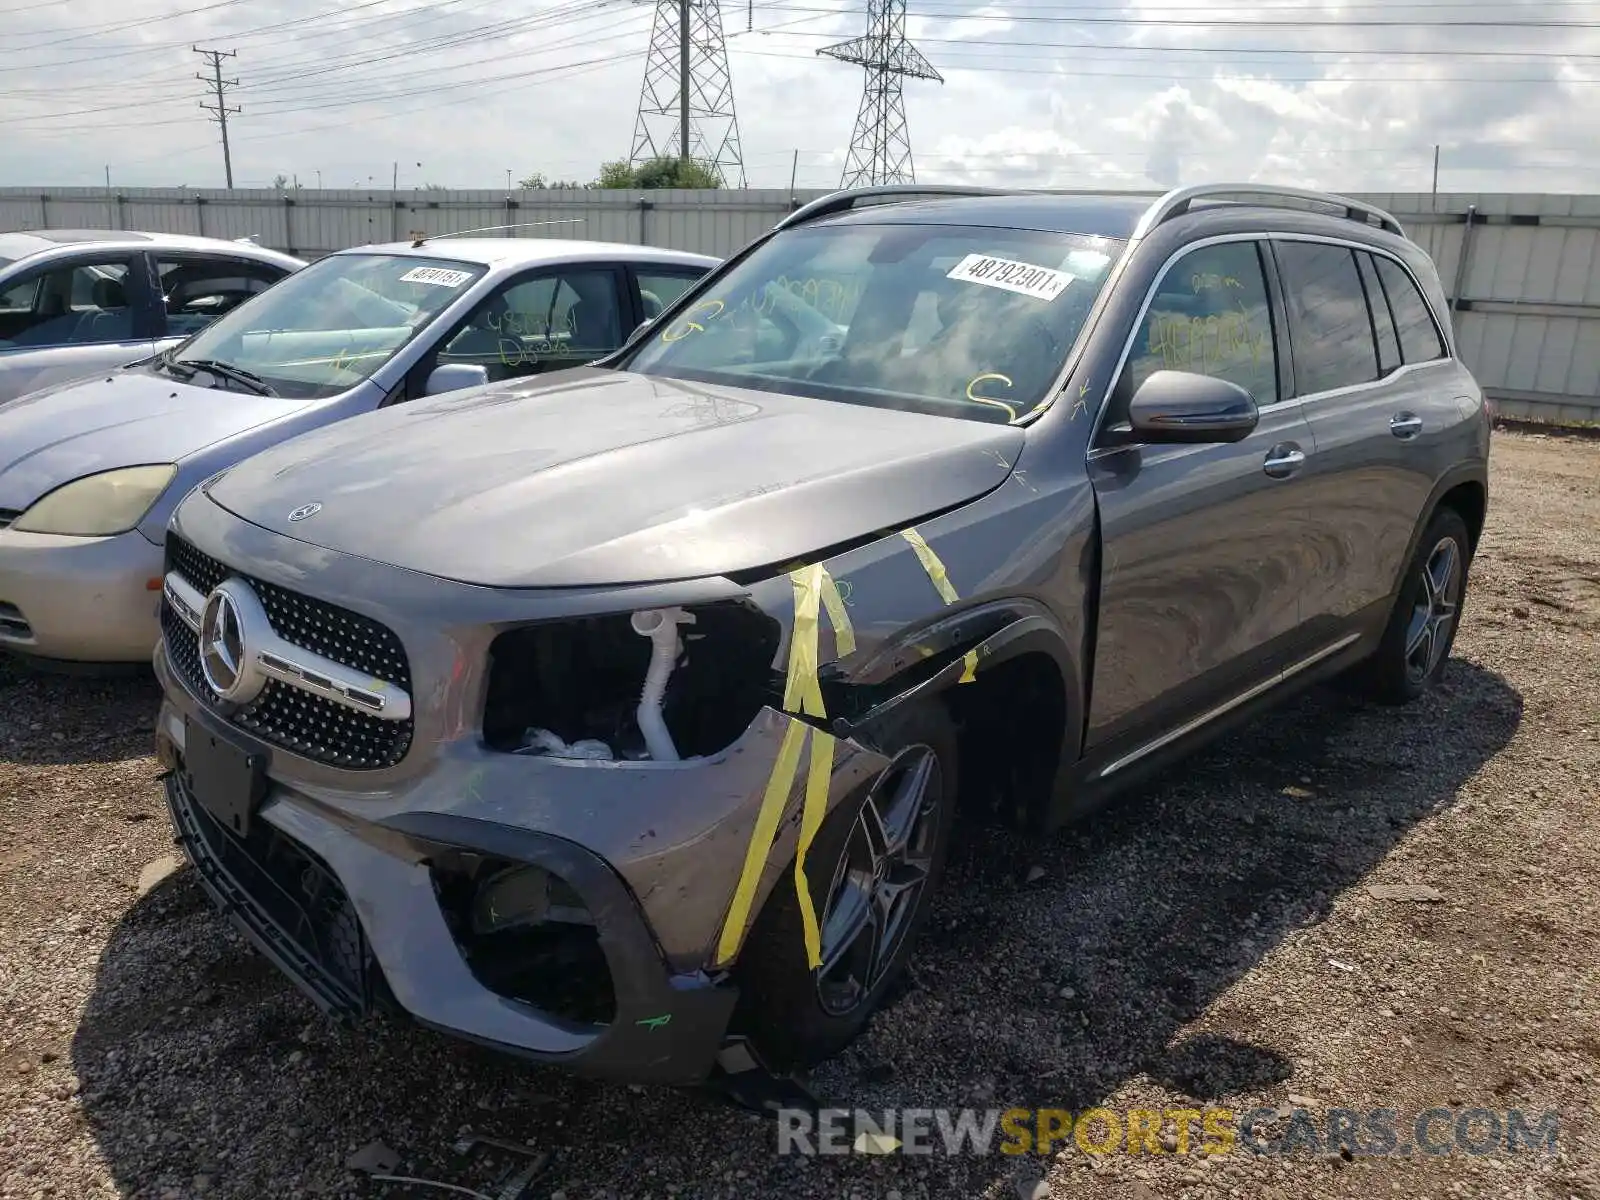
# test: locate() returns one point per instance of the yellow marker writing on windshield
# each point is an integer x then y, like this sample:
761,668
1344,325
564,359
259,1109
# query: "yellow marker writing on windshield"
977,379
682,331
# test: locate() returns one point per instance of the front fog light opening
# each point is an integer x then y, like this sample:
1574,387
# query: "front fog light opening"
526,935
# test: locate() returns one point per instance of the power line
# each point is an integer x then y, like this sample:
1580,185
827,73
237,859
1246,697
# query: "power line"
1079,71
294,83
93,33
1238,23
220,109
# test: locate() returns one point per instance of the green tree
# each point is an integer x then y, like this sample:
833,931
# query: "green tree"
663,172
538,182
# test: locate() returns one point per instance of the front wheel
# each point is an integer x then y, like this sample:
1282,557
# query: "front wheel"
872,870
1422,627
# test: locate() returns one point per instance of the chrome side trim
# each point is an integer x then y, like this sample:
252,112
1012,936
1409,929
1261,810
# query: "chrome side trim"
294,665
1228,706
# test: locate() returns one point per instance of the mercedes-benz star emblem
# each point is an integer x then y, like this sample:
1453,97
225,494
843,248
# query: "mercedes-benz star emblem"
224,649
305,510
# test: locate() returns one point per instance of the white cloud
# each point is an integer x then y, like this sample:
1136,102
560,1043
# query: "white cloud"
1026,101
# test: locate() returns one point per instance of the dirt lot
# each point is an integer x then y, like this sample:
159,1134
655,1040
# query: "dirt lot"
1211,943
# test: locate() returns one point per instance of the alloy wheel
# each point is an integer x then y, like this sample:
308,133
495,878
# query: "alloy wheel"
1433,614
879,879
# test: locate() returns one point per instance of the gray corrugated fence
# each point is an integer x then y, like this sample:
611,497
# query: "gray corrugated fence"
1527,298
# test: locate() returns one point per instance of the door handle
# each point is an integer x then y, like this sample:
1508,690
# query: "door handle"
1405,425
1283,460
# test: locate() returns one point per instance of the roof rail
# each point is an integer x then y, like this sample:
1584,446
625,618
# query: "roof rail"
846,199
1179,201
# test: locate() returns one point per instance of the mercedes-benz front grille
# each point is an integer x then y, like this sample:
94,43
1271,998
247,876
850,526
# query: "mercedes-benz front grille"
313,726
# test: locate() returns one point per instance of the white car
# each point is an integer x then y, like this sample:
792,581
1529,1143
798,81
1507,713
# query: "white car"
74,301
91,470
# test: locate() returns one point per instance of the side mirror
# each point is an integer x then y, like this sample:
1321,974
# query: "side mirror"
1181,406
453,377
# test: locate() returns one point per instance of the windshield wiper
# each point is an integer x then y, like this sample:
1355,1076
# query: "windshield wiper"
166,360
230,372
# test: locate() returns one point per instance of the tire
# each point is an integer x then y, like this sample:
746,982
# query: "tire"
1411,656
798,1017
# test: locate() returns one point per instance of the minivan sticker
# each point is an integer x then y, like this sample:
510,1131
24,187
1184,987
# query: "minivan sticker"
1041,283
439,276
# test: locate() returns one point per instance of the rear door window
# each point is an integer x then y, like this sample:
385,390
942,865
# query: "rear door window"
1330,327
660,287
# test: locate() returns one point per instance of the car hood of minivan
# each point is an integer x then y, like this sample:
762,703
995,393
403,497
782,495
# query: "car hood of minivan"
120,418
597,477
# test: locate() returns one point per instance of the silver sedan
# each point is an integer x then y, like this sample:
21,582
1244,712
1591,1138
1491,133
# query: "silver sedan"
90,471
73,302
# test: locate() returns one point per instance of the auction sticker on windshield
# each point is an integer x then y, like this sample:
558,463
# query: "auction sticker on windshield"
1041,283
439,276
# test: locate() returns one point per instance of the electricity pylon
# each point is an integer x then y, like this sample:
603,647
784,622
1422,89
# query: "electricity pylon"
880,148
686,101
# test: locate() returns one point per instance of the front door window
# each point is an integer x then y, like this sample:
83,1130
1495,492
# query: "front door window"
564,317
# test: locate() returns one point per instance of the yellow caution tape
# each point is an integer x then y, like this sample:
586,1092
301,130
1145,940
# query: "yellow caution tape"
934,566
810,821
814,589
755,855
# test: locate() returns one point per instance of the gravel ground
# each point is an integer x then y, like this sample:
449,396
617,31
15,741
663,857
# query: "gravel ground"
1211,942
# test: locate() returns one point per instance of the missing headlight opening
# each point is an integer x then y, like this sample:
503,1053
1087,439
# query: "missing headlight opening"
578,689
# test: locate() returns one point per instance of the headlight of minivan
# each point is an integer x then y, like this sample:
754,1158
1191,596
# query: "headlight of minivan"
97,505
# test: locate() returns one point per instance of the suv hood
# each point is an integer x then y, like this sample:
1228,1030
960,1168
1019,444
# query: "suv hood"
114,419
597,477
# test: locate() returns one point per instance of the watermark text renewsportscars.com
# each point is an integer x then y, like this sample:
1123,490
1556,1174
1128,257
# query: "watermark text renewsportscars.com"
1212,1131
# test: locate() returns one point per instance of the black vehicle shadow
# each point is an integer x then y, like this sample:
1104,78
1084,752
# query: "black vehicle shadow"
52,717
196,1060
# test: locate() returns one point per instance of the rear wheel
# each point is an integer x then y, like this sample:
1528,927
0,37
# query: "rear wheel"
872,870
1422,627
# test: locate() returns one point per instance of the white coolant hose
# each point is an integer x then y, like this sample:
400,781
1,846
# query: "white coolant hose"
660,625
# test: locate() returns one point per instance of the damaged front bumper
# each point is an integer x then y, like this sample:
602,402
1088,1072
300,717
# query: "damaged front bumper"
356,912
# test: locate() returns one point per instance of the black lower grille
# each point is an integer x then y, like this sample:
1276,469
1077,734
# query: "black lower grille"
287,897
311,726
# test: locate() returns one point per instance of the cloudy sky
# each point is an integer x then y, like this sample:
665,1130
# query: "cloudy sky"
1046,92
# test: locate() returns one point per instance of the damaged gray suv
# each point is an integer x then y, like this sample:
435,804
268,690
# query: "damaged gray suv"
617,718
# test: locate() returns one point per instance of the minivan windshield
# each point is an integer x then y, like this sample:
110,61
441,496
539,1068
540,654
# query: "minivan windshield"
328,326
961,320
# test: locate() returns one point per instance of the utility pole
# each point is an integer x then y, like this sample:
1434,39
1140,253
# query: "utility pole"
1436,177
220,109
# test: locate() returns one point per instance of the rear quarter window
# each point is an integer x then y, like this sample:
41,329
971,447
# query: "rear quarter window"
1419,336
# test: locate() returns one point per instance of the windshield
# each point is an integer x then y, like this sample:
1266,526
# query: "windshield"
956,320
330,325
